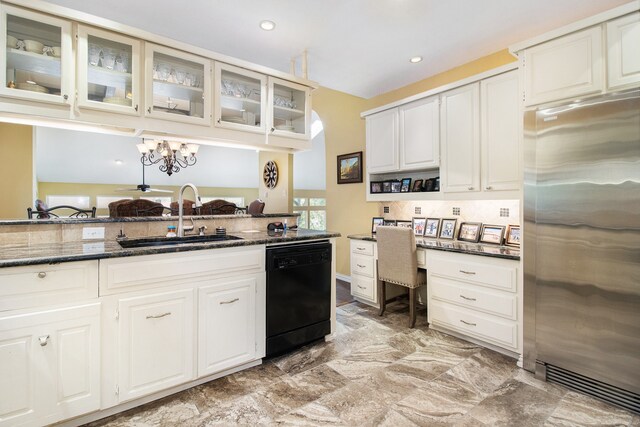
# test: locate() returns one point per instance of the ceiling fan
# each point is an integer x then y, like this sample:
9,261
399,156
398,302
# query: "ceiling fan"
145,188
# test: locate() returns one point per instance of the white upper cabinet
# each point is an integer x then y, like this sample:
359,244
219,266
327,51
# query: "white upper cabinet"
501,129
178,85
420,134
623,43
289,109
240,98
460,137
382,141
37,63
108,71
565,67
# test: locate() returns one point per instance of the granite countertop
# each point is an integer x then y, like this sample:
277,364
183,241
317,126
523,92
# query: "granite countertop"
16,255
481,249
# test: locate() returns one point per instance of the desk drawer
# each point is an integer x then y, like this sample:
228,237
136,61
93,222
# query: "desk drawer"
485,327
364,265
485,271
362,247
363,287
474,297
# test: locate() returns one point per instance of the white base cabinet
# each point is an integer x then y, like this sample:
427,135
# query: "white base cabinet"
49,365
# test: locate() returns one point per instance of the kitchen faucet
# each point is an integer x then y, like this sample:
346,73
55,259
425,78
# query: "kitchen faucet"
181,208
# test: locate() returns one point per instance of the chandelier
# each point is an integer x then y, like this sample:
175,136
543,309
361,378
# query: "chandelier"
172,155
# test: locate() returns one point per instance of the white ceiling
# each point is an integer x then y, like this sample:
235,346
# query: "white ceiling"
361,47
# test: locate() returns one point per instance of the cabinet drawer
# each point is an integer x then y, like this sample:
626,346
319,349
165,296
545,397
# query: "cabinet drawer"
37,285
363,287
364,265
488,328
498,303
362,247
149,271
485,271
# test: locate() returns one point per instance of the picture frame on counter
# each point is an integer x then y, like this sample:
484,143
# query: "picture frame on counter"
396,186
448,228
418,225
492,234
512,237
390,222
469,231
428,185
375,187
350,168
386,186
405,185
431,227
375,222
405,224
417,186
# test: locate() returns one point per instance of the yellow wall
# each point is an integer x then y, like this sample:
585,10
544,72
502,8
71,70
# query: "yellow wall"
280,198
16,174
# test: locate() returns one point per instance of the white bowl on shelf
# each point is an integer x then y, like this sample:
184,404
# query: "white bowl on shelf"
57,50
33,46
12,42
33,87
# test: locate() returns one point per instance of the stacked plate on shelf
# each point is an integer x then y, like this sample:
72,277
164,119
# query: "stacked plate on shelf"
117,100
33,87
285,127
234,119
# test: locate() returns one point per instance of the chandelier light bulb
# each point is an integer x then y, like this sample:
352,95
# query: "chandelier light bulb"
171,155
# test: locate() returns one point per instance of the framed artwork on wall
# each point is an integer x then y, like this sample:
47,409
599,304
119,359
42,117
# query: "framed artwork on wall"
350,168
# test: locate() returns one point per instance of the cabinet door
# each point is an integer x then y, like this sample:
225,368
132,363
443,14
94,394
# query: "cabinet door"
420,134
37,63
227,324
156,342
501,130
623,43
289,109
565,67
241,98
382,141
108,71
460,127
178,85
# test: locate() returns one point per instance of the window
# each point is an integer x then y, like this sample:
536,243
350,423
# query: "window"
238,201
166,201
312,210
80,202
102,202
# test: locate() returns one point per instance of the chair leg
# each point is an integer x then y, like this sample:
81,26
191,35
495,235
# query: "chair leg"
412,306
382,296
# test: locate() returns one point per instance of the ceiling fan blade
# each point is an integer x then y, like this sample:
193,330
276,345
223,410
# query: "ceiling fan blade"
156,190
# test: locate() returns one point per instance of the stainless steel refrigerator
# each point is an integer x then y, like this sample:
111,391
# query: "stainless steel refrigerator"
581,245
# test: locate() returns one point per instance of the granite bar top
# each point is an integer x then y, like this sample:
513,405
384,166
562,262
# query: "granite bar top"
481,249
48,253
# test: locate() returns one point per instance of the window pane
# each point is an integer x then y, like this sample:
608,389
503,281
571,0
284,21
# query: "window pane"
299,201
80,202
166,201
302,219
318,220
318,202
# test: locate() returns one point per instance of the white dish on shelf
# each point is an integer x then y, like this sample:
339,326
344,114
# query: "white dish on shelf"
234,119
117,100
33,87
284,127
12,42
33,46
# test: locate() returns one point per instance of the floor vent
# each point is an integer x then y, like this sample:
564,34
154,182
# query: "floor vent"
599,390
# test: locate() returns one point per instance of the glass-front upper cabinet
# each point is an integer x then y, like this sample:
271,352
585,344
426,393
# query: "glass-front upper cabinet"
290,108
241,98
108,71
37,62
178,85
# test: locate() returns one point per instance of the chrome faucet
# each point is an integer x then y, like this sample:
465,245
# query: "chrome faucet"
181,208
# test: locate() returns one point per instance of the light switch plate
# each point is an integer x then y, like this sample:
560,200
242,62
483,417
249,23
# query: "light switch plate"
89,233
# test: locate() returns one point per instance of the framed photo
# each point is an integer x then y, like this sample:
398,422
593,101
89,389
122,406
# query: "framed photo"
350,168
428,185
396,186
469,231
386,187
376,186
512,237
431,228
405,224
389,222
417,185
492,234
418,225
406,185
375,222
448,229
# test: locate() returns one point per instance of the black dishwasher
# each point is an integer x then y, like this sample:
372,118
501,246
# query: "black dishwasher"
298,295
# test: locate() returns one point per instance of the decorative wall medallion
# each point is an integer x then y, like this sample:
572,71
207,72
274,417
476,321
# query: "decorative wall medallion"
270,174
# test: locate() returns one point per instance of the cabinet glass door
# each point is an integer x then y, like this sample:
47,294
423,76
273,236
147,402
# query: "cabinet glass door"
241,98
178,86
290,109
37,58
108,71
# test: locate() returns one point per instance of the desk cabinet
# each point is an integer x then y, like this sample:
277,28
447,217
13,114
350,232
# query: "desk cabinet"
364,271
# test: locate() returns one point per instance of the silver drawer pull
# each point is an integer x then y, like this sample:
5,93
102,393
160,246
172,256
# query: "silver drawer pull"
468,323
360,249
361,266
42,274
467,272
158,316
361,287
231,301
44,340
467,298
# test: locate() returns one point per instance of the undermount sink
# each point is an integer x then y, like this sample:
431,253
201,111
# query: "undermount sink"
169,241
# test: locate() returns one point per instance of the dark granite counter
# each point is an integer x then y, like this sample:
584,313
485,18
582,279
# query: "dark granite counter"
481,249
16,255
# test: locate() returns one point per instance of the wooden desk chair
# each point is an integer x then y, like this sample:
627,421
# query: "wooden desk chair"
397,264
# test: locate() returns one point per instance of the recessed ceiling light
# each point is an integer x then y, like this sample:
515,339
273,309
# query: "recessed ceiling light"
267,25
415,59
119,162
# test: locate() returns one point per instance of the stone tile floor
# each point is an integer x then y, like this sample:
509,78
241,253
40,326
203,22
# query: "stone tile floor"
377,372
